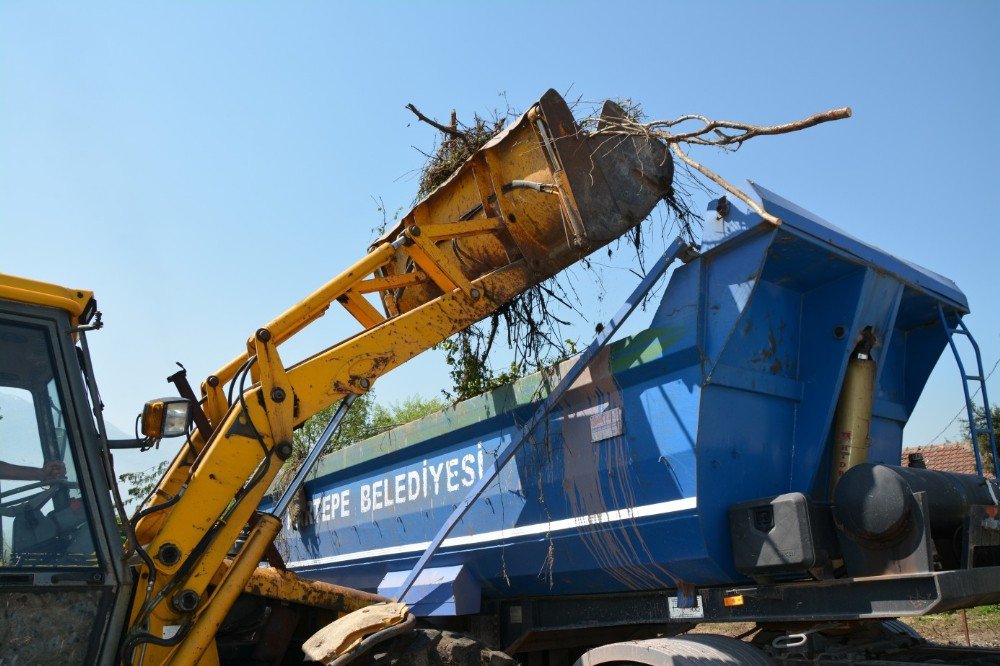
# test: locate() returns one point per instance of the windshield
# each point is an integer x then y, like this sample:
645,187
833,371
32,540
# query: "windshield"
43,522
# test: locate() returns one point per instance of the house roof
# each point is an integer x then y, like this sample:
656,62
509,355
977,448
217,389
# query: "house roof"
952,457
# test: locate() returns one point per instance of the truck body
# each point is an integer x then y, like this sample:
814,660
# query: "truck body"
632,489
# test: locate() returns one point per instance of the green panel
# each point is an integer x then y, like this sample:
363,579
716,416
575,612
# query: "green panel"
626,354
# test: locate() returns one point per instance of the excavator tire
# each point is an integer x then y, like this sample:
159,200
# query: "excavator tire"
431,647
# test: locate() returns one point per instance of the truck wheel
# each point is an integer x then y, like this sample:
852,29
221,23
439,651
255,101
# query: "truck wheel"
900,628
691,650
430,647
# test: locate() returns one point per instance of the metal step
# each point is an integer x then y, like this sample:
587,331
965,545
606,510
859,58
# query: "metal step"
979,378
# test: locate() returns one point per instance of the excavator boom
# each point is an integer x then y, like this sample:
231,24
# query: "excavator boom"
538,197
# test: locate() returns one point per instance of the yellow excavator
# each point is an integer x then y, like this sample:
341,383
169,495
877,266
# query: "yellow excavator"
190,585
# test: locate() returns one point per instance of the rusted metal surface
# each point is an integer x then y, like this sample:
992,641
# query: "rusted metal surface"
615,181
286,586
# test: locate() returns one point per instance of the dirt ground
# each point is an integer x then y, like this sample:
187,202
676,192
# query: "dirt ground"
945,628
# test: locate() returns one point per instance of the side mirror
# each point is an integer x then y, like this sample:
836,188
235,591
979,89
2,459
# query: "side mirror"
166,417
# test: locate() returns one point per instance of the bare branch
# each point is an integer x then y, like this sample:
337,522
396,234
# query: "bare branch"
450,131
661,128
710,133
721,182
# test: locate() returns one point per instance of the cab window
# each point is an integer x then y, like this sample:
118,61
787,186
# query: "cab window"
43,520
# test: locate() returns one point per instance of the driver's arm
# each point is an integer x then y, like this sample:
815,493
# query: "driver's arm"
54,469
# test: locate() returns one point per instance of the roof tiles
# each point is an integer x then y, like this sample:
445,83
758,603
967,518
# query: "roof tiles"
952,457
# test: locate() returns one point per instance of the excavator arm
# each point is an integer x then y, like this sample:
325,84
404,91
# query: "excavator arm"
533,201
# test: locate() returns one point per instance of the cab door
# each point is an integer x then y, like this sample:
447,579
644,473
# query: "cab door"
63,587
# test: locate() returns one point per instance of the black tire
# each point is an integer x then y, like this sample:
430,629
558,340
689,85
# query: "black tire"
430,647
900,628
690,650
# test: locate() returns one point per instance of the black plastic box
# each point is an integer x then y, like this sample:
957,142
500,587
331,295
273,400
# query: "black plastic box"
781,535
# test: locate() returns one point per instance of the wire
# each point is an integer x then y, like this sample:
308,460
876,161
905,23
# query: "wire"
241,369
266,463
965,408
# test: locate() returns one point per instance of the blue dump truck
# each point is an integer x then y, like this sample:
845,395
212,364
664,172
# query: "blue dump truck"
735,461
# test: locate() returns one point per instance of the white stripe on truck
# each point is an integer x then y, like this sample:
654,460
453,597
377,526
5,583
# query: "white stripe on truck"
619,515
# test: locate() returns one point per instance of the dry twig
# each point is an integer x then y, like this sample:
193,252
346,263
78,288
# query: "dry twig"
710,133
662,128
444,129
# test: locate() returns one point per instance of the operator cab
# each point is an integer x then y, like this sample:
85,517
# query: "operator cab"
63,581
43,520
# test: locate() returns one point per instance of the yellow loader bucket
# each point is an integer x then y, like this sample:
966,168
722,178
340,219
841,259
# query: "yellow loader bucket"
548,192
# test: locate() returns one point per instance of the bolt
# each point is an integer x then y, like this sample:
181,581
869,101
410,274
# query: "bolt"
278,394
185,601
474,293
414,230
213,381
263,334
283,450
364,383
169,554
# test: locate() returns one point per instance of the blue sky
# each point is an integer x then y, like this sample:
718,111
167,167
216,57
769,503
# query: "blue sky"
201,166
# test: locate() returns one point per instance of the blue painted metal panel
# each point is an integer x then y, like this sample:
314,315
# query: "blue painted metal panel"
437,592
810,223
728,396
729,278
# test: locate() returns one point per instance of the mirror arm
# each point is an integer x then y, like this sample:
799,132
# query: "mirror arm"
130,443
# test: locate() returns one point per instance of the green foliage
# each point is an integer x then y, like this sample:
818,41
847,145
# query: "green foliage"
353,428
410,409
987,610
122,534
979,414
470,374
140,484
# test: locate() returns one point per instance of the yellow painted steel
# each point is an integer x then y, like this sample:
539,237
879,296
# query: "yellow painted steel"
24,290
234,580
286,586
508,218
314,306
